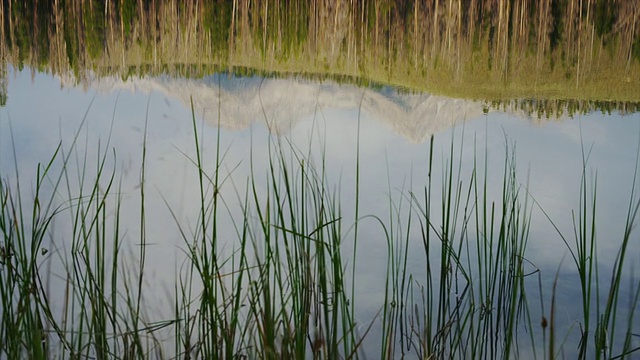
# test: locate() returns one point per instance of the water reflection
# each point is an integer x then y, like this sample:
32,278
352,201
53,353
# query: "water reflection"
327,121
236,103
355,88
460,48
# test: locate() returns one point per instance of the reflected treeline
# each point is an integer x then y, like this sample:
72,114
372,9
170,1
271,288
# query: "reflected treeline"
561,108
493,49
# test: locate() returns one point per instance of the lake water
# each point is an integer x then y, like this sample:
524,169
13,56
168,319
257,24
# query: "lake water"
380,108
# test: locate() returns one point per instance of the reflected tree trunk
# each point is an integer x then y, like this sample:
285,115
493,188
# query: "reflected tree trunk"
416,39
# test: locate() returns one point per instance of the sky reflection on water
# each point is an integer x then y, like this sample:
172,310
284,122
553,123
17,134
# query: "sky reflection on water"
549,159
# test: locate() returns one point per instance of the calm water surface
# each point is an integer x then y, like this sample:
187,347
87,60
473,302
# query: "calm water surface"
131,91
327,120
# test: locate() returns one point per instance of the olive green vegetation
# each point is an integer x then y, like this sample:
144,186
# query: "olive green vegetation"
282,288
489,50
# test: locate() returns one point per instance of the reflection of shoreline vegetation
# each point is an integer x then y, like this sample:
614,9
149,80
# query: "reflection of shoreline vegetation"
558,108
281,289
461,48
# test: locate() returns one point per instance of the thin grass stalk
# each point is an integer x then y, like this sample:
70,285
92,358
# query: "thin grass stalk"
585,244
356,216
483,253
113,306
200,260
426,236
406,278
389,306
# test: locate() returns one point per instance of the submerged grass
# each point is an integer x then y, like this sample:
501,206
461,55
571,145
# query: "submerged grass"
284,286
